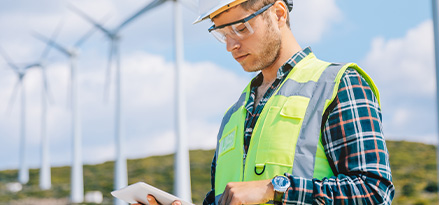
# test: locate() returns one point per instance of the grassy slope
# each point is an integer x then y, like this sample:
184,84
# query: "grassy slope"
413,168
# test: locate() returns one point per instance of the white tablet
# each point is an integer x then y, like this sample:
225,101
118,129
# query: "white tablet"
137,192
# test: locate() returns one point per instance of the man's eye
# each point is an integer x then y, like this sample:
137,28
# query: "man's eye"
241,28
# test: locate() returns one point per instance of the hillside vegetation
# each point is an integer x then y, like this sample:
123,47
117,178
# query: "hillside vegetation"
413,168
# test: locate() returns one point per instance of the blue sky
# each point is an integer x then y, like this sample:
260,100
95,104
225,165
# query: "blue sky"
392,40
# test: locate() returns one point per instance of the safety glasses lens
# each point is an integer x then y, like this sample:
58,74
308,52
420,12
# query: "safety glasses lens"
242,30
237,31
219,36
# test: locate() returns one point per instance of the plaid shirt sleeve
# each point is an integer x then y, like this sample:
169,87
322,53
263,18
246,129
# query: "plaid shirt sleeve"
355,147
210,196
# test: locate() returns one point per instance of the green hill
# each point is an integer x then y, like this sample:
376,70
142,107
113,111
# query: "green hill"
413,168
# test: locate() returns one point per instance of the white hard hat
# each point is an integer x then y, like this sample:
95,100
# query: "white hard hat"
211,8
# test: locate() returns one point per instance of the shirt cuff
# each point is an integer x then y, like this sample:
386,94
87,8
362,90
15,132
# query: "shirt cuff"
300,191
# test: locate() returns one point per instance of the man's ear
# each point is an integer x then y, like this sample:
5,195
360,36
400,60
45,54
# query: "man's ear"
281,12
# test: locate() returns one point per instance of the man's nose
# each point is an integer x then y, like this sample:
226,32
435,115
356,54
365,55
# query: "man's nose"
232,44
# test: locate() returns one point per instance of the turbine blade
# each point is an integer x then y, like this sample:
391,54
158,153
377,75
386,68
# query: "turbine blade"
51,43
54,35
8,60
89,19
32,65
108,73
148,7
13,96
90,32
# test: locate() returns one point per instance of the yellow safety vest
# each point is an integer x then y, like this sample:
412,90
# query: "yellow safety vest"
286,137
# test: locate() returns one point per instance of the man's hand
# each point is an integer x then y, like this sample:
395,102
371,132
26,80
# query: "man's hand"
152,201
254,192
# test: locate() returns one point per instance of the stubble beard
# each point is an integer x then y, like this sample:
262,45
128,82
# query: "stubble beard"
271,45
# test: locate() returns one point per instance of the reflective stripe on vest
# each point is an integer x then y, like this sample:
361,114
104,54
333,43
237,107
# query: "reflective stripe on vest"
314,84
309,136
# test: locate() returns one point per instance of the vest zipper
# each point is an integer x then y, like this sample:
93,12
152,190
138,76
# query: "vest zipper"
243,163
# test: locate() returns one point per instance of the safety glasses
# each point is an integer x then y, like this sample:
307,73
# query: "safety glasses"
240,29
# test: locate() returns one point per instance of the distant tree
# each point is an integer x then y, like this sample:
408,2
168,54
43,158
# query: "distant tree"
431,187
409,190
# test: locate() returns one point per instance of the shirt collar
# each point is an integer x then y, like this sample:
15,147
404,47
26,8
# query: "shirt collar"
285,68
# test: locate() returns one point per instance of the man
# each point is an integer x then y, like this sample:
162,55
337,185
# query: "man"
303,131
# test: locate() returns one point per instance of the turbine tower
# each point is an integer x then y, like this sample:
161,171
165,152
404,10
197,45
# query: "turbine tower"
182,182
435,8
77,179
45,174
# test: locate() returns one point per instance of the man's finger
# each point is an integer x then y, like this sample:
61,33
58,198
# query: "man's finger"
176,202
220,201
229,198
151,200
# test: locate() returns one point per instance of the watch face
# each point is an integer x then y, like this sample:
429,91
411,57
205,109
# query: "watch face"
281,183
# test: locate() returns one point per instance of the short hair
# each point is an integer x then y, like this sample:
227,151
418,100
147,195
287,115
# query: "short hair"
257,4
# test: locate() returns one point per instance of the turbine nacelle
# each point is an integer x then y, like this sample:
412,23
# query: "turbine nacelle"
74,52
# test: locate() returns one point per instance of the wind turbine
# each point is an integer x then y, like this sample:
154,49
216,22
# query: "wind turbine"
23,173
182,187
77,179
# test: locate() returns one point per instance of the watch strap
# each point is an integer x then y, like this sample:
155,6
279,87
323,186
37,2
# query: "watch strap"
278,197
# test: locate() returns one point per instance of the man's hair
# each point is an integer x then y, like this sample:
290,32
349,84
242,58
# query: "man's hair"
258,4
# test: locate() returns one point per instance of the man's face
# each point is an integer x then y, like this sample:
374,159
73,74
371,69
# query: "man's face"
260,49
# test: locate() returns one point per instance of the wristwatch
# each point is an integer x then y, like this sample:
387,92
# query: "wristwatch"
280,186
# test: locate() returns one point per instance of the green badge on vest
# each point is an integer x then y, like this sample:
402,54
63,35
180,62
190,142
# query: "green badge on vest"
227,142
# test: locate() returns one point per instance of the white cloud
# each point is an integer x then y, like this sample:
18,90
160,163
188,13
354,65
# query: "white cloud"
311,19
403,69
203,135
147,145
407,63
401,117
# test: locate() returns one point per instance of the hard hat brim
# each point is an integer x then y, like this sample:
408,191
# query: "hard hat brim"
217,10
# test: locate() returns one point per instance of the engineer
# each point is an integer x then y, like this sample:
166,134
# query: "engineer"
303,131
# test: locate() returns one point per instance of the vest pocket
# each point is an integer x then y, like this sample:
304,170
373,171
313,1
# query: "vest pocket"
279,134
295,107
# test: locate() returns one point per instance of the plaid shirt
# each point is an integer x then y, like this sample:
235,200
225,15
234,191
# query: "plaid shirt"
353,141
